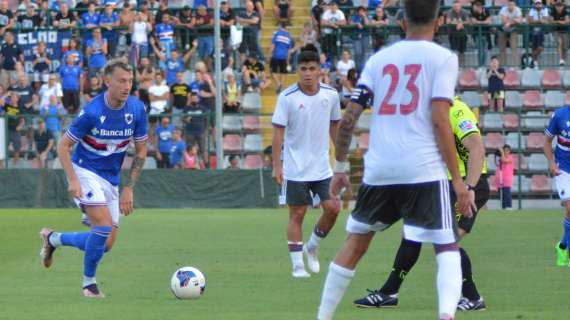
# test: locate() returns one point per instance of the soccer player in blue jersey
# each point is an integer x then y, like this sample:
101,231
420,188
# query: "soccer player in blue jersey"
103,131
559,165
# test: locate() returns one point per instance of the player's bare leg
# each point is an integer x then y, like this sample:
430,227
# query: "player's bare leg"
323,226
295,240
341,272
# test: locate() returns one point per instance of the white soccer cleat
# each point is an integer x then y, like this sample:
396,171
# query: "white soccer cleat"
300,273
312,260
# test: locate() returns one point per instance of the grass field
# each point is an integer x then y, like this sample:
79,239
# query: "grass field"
243,254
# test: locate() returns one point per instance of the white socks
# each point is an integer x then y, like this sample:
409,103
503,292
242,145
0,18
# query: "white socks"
296,253
337,281
448,282
313,243
55,239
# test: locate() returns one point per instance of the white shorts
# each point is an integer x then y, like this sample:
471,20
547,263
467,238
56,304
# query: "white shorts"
563,185
97,192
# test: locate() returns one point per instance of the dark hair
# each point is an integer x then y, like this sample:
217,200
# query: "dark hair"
495,57
116,64
309,53
421,12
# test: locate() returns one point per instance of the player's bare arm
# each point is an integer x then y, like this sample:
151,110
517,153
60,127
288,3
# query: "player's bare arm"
64,154
446,144
474,144
126,203
277,146
333,131
549,153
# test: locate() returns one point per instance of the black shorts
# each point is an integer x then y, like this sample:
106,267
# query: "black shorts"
278,66
425,208
481,196
301,193
71,100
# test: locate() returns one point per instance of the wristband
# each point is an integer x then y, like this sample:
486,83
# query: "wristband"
341,167
470,187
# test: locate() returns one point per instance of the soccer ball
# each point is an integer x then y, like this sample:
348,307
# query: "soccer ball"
188,283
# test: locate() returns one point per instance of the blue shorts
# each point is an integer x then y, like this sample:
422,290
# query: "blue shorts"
205,46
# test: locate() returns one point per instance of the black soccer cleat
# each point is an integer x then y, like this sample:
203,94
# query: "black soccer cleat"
471,305
377,299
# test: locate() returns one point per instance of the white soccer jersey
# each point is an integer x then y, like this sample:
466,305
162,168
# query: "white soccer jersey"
405,78
307,122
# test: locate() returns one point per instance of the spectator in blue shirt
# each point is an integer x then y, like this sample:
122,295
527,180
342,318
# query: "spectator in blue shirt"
164,33
163,135
373,4
89,20
175,64
281,45
108,21
205,3
359,37
97,52
71,84
74,51
178,149
52,113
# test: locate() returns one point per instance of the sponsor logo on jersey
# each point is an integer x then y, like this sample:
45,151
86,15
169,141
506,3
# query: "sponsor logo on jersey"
466,125
112,133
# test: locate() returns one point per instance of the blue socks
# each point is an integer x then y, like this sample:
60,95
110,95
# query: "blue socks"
75,239
94,249
566,236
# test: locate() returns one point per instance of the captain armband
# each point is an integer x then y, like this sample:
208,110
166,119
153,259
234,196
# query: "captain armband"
362,96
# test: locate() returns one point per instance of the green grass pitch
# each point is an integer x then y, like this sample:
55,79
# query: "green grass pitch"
243,254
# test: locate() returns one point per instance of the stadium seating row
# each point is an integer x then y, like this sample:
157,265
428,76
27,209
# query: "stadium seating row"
534,162
475,79
533,142
234,144
529,100
540,184
532,121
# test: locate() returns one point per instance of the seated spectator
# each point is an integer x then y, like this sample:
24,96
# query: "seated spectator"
44,141
250,20
192,159
457,18
342,67
204,22
231,93
359,37
511,17
179,92
139,30
10,53
159,95
195,123
72,85
281,45
163,142
233,162
75,51
561,18
53,115
52,88
537,16
496,89
41,65
29,20
16,124
283,11
253,73
7,22
145,75
96,52
178,149
325,69
94,89
331,20
108,22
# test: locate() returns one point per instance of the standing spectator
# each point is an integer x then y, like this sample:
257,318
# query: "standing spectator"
561,18
192,159
44,143
308,36
74,51
145,11
177,150
511,17
52,113
375,4
80,8
185,24
253,73
505,174
44,12
174,64
41,65
204,22
346,6
94,89
27,97
126,18
179,92
6,17
195,123
359,37
331,20
29,20
379,19
145,75
96,52
283,11
89,21
342,67
537,16
281,45
481,18
24,5
72,84
139,30
205,3
16,124
164,33
316,15
108,22
325,69
10,53
496,89
231,93
227,19
52,88
64,20
158,95
249,19
163,135
163,9
457,18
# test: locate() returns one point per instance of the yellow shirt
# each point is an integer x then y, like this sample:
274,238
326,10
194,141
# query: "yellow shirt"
463,123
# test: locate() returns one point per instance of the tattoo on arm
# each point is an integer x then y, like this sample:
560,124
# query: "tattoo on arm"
345,130
136,169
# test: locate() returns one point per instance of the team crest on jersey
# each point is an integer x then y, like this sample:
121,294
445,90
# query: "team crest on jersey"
129,118
325,102
102,119
466,125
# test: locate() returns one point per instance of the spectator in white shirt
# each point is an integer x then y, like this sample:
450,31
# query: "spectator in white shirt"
330,21
537,16
511,17
342,67
159,95
52,88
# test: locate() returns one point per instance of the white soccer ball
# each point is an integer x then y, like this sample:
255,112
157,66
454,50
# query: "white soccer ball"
188,283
